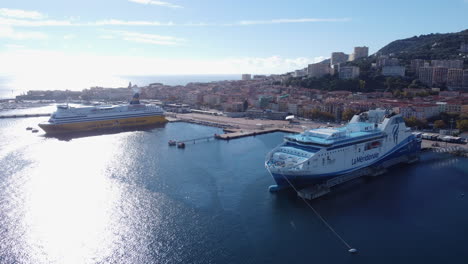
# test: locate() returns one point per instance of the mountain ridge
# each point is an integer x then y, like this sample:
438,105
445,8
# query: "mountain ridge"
429,47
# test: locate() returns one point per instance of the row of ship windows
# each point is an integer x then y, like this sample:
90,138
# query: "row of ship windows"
296,153
336,151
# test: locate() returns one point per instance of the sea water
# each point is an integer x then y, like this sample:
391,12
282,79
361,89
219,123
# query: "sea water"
128,197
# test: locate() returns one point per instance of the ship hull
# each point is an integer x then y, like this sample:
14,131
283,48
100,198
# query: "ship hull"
286,179
98,125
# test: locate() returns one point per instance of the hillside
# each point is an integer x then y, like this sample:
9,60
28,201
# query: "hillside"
432,46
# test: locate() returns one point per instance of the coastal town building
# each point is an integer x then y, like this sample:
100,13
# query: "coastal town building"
360,52
416,64
442,106
348,72
383,61
425,75
338,58
439,75
465,78
318,70
393,71
246,77
454,106
259,77
419,111
300,73
456,64
263,97
212,99
464,47
455,78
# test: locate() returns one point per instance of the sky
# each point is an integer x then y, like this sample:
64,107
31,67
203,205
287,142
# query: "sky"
92,39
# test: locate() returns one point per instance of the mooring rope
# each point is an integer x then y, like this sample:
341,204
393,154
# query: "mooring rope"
318,215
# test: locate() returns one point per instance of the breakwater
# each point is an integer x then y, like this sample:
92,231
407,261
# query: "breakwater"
24,115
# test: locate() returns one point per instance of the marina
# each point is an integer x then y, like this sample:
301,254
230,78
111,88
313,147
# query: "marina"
202,206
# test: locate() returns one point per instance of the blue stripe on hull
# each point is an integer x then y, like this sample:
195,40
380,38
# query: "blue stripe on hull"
302,180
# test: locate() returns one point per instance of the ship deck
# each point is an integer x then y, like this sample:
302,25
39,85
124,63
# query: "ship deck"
347,137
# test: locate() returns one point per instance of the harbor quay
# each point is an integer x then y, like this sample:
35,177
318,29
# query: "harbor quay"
243,127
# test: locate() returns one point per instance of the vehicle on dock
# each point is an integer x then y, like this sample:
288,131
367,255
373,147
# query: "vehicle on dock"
317,155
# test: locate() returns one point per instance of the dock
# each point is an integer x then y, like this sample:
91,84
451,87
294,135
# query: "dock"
240,133
194,140
198,122
318,190
445,147
24,115
233,132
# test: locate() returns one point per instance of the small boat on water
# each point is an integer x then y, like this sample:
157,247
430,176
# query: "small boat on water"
34,130
181,145
29,128
172,142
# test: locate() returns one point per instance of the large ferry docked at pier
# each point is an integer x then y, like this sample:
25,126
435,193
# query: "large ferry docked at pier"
369,139
75,119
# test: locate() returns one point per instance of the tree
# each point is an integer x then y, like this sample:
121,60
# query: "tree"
439,124
324,116
246,105
362,85
348,114
414,122
417,84
411,121
462,125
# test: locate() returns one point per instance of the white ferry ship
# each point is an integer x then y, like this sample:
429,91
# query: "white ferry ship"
74,119
317,155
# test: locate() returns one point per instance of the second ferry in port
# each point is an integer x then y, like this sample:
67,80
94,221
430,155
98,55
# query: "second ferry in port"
76,119
370,139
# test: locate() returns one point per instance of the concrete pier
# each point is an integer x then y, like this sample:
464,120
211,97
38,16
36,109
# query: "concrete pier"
239,133
24,115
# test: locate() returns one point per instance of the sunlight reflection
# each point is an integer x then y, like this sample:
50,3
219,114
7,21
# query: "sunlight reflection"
71,200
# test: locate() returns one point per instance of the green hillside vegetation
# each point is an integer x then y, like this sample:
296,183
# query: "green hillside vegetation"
428,47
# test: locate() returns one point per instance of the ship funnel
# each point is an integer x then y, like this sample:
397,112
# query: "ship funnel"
135,99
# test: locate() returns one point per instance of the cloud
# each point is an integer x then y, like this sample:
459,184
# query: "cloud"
107,37
35,23
9,33
18,13
65,23
154,2
117,22
267,65
69,36
150,38
284,21
96,68
14,46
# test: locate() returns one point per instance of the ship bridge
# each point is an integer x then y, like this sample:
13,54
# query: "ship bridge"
326,137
